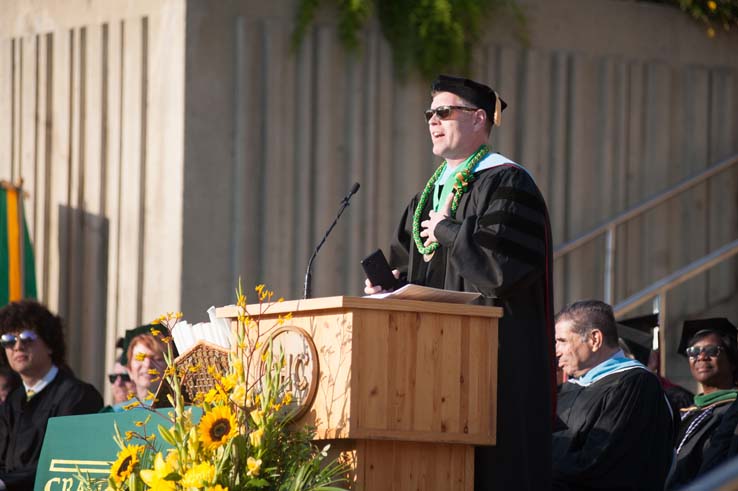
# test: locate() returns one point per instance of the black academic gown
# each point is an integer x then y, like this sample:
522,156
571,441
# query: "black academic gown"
615,434
723,444
695,432
23,424
499,244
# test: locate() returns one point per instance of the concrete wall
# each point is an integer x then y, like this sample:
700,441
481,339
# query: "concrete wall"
93,101
171,147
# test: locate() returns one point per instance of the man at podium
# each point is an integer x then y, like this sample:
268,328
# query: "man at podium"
481,225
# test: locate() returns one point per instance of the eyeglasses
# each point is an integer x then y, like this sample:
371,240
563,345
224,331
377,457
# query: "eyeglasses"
26,337
443,112
711,351
124,377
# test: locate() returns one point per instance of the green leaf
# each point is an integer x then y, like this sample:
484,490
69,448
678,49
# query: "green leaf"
166,435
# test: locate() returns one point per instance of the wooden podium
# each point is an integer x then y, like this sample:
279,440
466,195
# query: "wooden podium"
405,389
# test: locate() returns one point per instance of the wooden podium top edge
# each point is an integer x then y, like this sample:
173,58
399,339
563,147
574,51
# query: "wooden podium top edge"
343,302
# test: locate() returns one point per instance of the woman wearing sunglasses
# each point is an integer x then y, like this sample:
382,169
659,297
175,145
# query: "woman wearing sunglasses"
121,384
712,350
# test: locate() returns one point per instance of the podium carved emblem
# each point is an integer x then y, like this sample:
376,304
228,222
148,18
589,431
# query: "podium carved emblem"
300,370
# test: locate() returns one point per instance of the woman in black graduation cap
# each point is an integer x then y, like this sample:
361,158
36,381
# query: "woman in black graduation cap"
712,350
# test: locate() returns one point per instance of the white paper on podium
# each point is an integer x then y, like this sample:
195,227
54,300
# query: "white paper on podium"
428,294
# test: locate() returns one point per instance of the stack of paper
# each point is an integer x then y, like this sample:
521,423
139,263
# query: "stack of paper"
217,332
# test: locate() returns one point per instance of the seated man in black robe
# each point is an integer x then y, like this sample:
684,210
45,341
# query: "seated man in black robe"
615,428
712,350
34,345
481,225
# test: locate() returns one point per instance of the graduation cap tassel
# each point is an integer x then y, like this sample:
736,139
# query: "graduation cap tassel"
498,110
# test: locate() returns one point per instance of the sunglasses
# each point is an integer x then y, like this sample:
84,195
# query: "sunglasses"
711,351
443,112
26,337
123,376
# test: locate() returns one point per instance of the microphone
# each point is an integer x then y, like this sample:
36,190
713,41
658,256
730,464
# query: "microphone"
308,272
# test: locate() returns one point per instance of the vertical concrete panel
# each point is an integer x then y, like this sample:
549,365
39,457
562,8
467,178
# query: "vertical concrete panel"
16,109
723,189
28,125
557,159
302,161
277,207
38,232
537,102
507,83
164,154
130,200
354,232
247,145
71,213
330,156
392,195
6,94
94,225
59,165
633,264
583,169
656,169
114,67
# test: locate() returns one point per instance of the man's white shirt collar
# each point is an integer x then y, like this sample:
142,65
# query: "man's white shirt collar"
45,380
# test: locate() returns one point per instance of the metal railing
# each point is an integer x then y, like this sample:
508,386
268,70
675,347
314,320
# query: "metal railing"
609,229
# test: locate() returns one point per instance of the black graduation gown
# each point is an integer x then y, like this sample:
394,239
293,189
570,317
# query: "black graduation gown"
23,424
616,433
723,444
695,431
499,244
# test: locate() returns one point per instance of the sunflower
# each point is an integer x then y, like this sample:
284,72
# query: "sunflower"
127,460
217,427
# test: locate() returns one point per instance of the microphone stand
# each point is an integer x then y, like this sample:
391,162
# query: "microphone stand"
308,274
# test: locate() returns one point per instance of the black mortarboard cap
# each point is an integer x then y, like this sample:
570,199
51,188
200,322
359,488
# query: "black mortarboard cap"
637,332
132,333
698,327
479,95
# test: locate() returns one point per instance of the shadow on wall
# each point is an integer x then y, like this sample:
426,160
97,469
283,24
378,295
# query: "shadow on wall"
83,279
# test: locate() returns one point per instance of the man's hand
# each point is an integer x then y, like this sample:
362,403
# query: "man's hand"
429,226
370,289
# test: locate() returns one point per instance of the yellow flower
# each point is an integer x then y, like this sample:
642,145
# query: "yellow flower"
255,437
712,5
140,356
172,459
199,475
238,396
131,405
710,32
287,399
258,416
217,487
124,464
217,427
254,466
155,478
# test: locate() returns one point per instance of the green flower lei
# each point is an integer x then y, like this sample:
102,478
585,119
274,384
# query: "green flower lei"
463,178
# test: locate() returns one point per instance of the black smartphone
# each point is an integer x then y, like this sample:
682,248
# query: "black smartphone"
378,271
